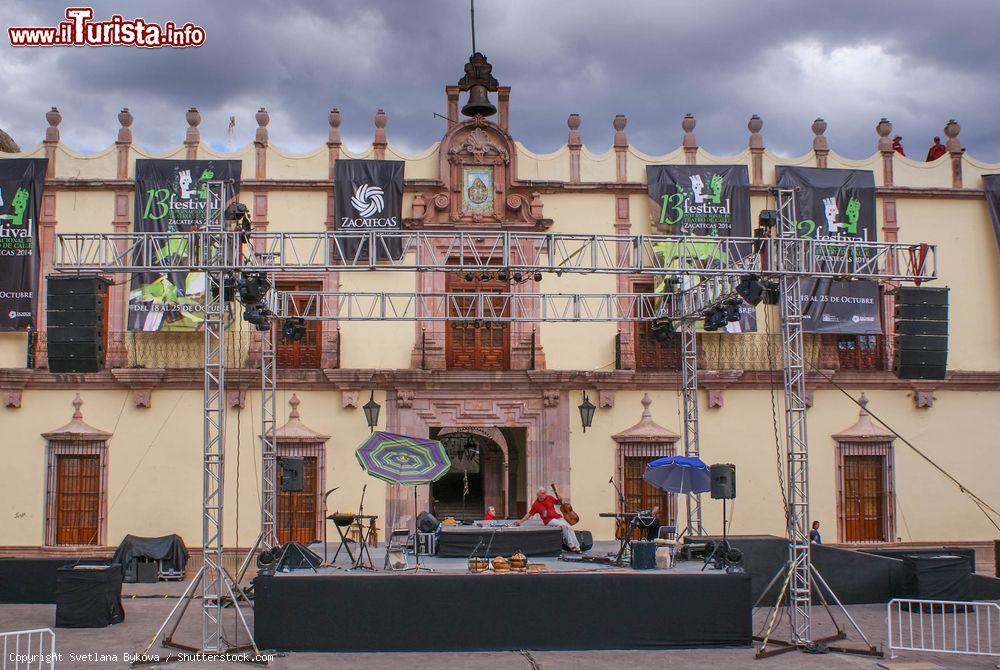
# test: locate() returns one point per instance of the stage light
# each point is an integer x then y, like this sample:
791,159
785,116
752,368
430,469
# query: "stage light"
714,320
538,276
485,276
732,310
587,410
293,330
237,211
767,218
252,287
663,331
372,409
502,275
518,276
469,277
750,289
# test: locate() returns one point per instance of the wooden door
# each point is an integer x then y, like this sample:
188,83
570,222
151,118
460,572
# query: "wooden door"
864,499
306,352
650,354
300,505
78,499
482,346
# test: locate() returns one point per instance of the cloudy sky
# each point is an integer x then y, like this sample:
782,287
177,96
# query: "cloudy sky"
917,62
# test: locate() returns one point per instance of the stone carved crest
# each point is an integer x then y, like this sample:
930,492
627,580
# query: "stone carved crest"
479,186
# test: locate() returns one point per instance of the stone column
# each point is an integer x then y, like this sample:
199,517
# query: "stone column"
820,147
193,136
574,144
333,142
689,142
889,234
955,150
330,348
117,355
46,233
756,144
451,96
260,141
621,148
503,107
380,142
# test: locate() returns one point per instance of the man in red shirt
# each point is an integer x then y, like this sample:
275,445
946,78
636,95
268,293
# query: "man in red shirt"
543,510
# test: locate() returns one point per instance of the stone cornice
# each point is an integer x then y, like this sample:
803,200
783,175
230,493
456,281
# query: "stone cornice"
486,381
542,186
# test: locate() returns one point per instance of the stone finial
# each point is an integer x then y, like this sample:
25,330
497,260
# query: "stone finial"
334,120
54,118
754,125
125,120
263,118
687,125
951,131
77,403
193,118
380,120
819,140
294,402
883,128
647,430
573,141
646,402
621,139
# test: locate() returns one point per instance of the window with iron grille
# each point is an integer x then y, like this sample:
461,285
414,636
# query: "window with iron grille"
302,508
307,352
861,352
650,354
639,494
76,493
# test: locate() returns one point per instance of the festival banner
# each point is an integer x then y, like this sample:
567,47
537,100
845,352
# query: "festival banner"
833,204
702,200
368,196
21,183
991,184
170,198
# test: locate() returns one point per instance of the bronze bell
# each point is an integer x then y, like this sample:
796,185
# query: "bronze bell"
479,102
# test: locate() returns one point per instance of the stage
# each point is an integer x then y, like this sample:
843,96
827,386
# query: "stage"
568,606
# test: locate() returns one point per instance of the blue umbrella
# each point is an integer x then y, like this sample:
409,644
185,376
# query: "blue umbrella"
679,474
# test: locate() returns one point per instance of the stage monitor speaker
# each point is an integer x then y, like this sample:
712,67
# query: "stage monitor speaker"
723,476
75,327
643,555
291,473
920,348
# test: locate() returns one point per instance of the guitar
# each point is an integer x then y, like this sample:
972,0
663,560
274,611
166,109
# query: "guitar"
572,518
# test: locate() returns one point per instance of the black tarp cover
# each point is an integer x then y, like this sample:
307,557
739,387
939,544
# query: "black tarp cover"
168,547
89,597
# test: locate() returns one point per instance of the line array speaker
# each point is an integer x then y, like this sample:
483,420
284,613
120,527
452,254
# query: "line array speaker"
921,326
75,327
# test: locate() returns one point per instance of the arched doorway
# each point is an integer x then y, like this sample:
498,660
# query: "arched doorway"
478,478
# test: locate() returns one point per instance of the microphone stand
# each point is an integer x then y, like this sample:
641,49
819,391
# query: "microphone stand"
362,544
626,538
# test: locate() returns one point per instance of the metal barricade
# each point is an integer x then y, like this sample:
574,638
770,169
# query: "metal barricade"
29,649
943,627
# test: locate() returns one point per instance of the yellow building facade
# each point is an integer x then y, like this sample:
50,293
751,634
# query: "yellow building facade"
141,418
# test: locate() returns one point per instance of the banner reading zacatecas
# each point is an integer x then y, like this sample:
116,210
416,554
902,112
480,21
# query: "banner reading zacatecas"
170,198
833,204
991,184
705,200
21,182
368,196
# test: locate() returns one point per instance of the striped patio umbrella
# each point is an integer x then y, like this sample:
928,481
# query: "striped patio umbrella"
400,459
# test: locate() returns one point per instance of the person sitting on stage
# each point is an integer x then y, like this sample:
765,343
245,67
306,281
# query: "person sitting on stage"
543,510
491,513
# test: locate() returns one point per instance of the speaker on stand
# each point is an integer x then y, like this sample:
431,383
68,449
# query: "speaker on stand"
921,341
75,327
723,487
294,555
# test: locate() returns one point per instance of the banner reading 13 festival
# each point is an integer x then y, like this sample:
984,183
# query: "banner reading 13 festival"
702,200
833,204
368,196
170,198
21,182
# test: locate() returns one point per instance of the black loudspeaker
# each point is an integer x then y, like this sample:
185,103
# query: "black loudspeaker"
643,555
723,481
74,325
291,473
921,324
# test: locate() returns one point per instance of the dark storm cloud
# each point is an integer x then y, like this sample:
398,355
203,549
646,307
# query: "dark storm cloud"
851,62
